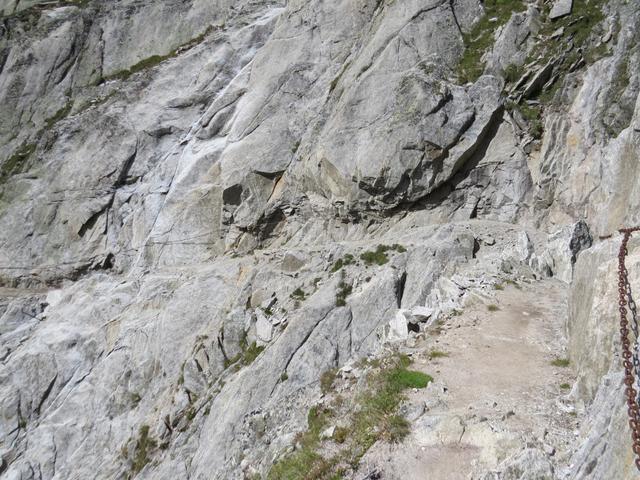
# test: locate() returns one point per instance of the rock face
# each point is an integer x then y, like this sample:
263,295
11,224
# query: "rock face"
206,205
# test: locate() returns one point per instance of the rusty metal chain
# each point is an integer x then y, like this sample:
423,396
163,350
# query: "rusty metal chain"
629,358
635,329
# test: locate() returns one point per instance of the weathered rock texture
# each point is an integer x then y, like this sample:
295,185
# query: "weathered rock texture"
178,180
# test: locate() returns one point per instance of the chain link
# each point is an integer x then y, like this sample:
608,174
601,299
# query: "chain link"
630,360
634,328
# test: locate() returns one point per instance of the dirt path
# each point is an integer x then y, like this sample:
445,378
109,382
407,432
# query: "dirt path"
495,392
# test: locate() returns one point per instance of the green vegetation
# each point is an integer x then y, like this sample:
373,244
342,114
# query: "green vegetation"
59,115
481,38
498,286
560,362
344,290
298,294
379,255
532,114
135,398
437,354
248,353
348,259
327,379
144,445
267,311
16,162
284,377
154,60
493,307
373,419
565,386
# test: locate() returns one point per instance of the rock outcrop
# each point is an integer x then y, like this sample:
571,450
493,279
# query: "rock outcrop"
207,206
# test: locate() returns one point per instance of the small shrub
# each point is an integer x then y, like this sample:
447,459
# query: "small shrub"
284,377
560,362
378,257
498,286
348,259
565,386
493,307
298,294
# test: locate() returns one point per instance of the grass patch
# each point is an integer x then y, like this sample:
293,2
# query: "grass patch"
560,362
379,255
348,259
154,60
493,307
327,379
16,163
144,445
498,286
532,114
248,353
59,115
298,294
373,419
344,290
437,354
481,37
565,386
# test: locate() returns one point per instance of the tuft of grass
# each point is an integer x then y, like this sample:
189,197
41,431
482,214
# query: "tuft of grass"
493,307
327,379
340,435
498,286
437,354
560,362
565,386
251,353
379,255
59,115
298,294
144,445
16,163
348,259
248,353
135,398
344,290
374,419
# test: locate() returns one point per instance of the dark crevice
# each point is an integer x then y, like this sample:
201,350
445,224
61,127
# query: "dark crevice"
400,287
455,17
91,222
46,394
468,161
